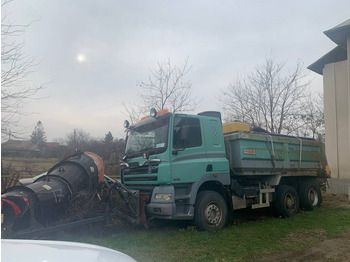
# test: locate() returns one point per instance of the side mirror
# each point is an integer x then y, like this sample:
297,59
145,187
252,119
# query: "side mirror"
181,140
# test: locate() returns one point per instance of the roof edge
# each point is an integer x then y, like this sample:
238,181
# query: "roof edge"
337,54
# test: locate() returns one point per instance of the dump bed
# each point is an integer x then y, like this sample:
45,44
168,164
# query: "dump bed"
251,153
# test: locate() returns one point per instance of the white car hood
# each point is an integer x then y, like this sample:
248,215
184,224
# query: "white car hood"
57,251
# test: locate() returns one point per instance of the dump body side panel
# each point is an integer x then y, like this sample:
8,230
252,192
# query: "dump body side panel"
260,154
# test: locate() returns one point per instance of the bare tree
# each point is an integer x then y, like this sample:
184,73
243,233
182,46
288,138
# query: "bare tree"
312,117
17,87
269,97
166,88
78,139
134,112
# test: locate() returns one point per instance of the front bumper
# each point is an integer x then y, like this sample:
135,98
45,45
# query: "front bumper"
160,210
168,209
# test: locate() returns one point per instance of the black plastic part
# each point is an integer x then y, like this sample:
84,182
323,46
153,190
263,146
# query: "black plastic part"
241,191
211,114
209,168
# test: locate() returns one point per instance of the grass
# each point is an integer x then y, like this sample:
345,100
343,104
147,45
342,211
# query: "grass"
32,166
27,166
241,242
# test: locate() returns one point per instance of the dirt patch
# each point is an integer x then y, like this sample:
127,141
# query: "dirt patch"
336,201
304,237
335,250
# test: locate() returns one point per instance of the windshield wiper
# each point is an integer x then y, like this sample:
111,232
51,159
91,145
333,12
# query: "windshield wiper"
150,150
146,149
151,161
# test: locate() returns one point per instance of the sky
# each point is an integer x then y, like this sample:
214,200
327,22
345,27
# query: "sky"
94,53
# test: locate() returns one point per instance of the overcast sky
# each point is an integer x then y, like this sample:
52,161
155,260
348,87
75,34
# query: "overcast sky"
95,52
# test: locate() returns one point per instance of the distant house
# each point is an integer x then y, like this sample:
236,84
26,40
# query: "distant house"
26,148
51,144
19,148
335,68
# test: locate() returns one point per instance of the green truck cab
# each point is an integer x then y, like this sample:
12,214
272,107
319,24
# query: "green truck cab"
184,167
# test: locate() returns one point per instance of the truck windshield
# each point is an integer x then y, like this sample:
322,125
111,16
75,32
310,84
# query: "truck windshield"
150,136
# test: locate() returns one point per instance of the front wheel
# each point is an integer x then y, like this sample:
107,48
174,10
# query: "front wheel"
210,211
286,201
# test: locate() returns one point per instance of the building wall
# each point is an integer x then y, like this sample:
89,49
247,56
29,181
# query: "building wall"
348,48
330,118
336,77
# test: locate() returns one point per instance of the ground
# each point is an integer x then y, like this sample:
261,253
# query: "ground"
255,235
334,249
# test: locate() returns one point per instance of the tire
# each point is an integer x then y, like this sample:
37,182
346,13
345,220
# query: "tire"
310,195
210,211
286,201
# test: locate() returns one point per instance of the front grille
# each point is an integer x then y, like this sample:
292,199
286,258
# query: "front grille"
141,170
146,178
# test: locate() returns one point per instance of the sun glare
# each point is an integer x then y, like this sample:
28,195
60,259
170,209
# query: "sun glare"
81,58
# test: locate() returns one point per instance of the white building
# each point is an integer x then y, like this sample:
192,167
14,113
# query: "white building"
335,68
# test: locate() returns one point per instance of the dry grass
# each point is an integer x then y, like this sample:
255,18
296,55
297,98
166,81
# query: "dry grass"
26,166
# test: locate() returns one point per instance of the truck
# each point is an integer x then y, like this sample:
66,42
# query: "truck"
176,166
193,167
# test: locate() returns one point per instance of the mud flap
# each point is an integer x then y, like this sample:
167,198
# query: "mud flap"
144,199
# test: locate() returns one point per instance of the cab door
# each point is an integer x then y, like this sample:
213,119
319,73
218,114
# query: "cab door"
188,153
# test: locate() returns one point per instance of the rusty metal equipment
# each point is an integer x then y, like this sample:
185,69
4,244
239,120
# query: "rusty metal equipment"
73,192
13,180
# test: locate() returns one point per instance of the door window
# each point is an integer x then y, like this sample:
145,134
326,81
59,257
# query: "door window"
187,133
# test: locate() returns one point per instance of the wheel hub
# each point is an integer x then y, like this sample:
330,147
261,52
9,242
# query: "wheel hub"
313,197
213,214
289,201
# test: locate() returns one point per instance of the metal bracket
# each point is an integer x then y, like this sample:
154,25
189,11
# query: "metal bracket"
264,202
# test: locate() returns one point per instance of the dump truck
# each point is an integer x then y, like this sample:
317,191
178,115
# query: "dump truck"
193,167
176,166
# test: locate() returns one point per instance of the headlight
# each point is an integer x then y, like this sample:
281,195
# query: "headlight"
163,197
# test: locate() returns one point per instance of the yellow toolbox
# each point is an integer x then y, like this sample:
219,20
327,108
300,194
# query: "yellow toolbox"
231,127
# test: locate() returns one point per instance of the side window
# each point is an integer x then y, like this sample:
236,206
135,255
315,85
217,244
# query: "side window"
187,133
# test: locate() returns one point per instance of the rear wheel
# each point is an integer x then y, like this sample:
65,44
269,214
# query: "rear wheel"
286,201
310,195
210,211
